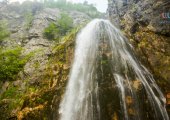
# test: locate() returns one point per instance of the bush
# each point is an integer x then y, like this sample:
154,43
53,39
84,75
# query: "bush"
65,24
11,62
56,30
9,93
50,31
3,30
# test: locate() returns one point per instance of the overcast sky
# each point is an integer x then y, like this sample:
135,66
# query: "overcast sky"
101,5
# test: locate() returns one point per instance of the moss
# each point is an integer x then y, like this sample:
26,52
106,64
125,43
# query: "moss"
11,101
16,104
154,47
36,65
153,51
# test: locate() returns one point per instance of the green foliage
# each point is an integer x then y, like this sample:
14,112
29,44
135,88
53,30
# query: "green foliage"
11,62
65,24
10,93
65,40
3,30
15,97
56,30
50,31
85,7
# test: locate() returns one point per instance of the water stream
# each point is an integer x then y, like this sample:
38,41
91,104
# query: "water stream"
107,81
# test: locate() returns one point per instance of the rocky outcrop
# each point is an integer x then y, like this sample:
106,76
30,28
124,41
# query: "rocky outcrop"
132,14
36,93
27,31
147,26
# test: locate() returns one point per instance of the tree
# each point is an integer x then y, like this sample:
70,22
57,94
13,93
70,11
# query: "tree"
65,23
50,31
58,29
11,62
3,30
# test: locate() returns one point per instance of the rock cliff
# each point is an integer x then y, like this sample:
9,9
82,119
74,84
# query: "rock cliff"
36,92
146,24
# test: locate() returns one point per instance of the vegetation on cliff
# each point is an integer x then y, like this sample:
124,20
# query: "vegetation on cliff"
11,63
141,23
39,100
59,28
21,99
3,30
33,68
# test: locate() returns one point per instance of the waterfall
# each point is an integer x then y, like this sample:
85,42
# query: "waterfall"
105,64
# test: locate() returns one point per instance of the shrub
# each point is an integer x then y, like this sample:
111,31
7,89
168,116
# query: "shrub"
11,62
65,24
15,97
50,31
3,30
56,30
9,93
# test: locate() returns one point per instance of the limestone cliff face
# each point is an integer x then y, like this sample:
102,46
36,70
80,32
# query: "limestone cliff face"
147,26
36,93
146,13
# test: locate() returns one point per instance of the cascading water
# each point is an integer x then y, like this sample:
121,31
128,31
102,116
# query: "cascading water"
105,65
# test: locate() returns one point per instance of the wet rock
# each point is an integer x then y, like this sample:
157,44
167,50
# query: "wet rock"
17,83
140,20
144,13
129,100
149,33
168,99
4,87
137,84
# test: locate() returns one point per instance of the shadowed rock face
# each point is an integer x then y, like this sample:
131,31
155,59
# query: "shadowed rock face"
146,24
137,13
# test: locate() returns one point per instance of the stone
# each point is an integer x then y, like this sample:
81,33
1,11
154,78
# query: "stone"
17,83
145,13
42,78
149,33
4,87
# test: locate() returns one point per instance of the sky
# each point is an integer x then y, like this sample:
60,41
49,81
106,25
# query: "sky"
101,5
